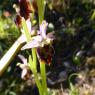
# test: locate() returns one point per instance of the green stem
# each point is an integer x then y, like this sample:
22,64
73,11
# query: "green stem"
35,76
43,76
38,83
26,31
28,37
32,61
34,58
41,9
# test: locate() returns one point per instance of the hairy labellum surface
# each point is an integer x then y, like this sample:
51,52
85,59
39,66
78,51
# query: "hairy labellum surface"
18,21
25,8
45,53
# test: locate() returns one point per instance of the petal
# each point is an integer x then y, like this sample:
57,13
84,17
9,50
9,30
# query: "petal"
38,32
38,38
23,59
28,23
43,28
22,38
51,35
31,44
23,74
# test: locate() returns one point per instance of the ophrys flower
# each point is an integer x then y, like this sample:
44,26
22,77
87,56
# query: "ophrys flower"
41,38
25,74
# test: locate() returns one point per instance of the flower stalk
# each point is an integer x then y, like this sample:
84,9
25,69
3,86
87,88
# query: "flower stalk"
43,76
32,61
35,76
41,9
26,31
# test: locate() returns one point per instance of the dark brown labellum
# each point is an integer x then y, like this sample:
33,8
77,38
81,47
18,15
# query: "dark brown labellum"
45,53
34,5
18,21
25,8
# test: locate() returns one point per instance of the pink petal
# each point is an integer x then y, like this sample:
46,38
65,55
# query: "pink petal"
38,38
23,59
31,44
43,28
22,39
51,35
24,72
28,23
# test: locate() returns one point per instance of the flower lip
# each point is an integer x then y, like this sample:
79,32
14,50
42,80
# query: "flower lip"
18,20
45,56
25,8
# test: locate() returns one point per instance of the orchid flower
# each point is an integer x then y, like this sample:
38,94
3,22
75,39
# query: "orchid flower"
23,12
45,54
41,39
24,66
25,8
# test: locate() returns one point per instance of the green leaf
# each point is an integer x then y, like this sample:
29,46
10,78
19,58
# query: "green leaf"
93,15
